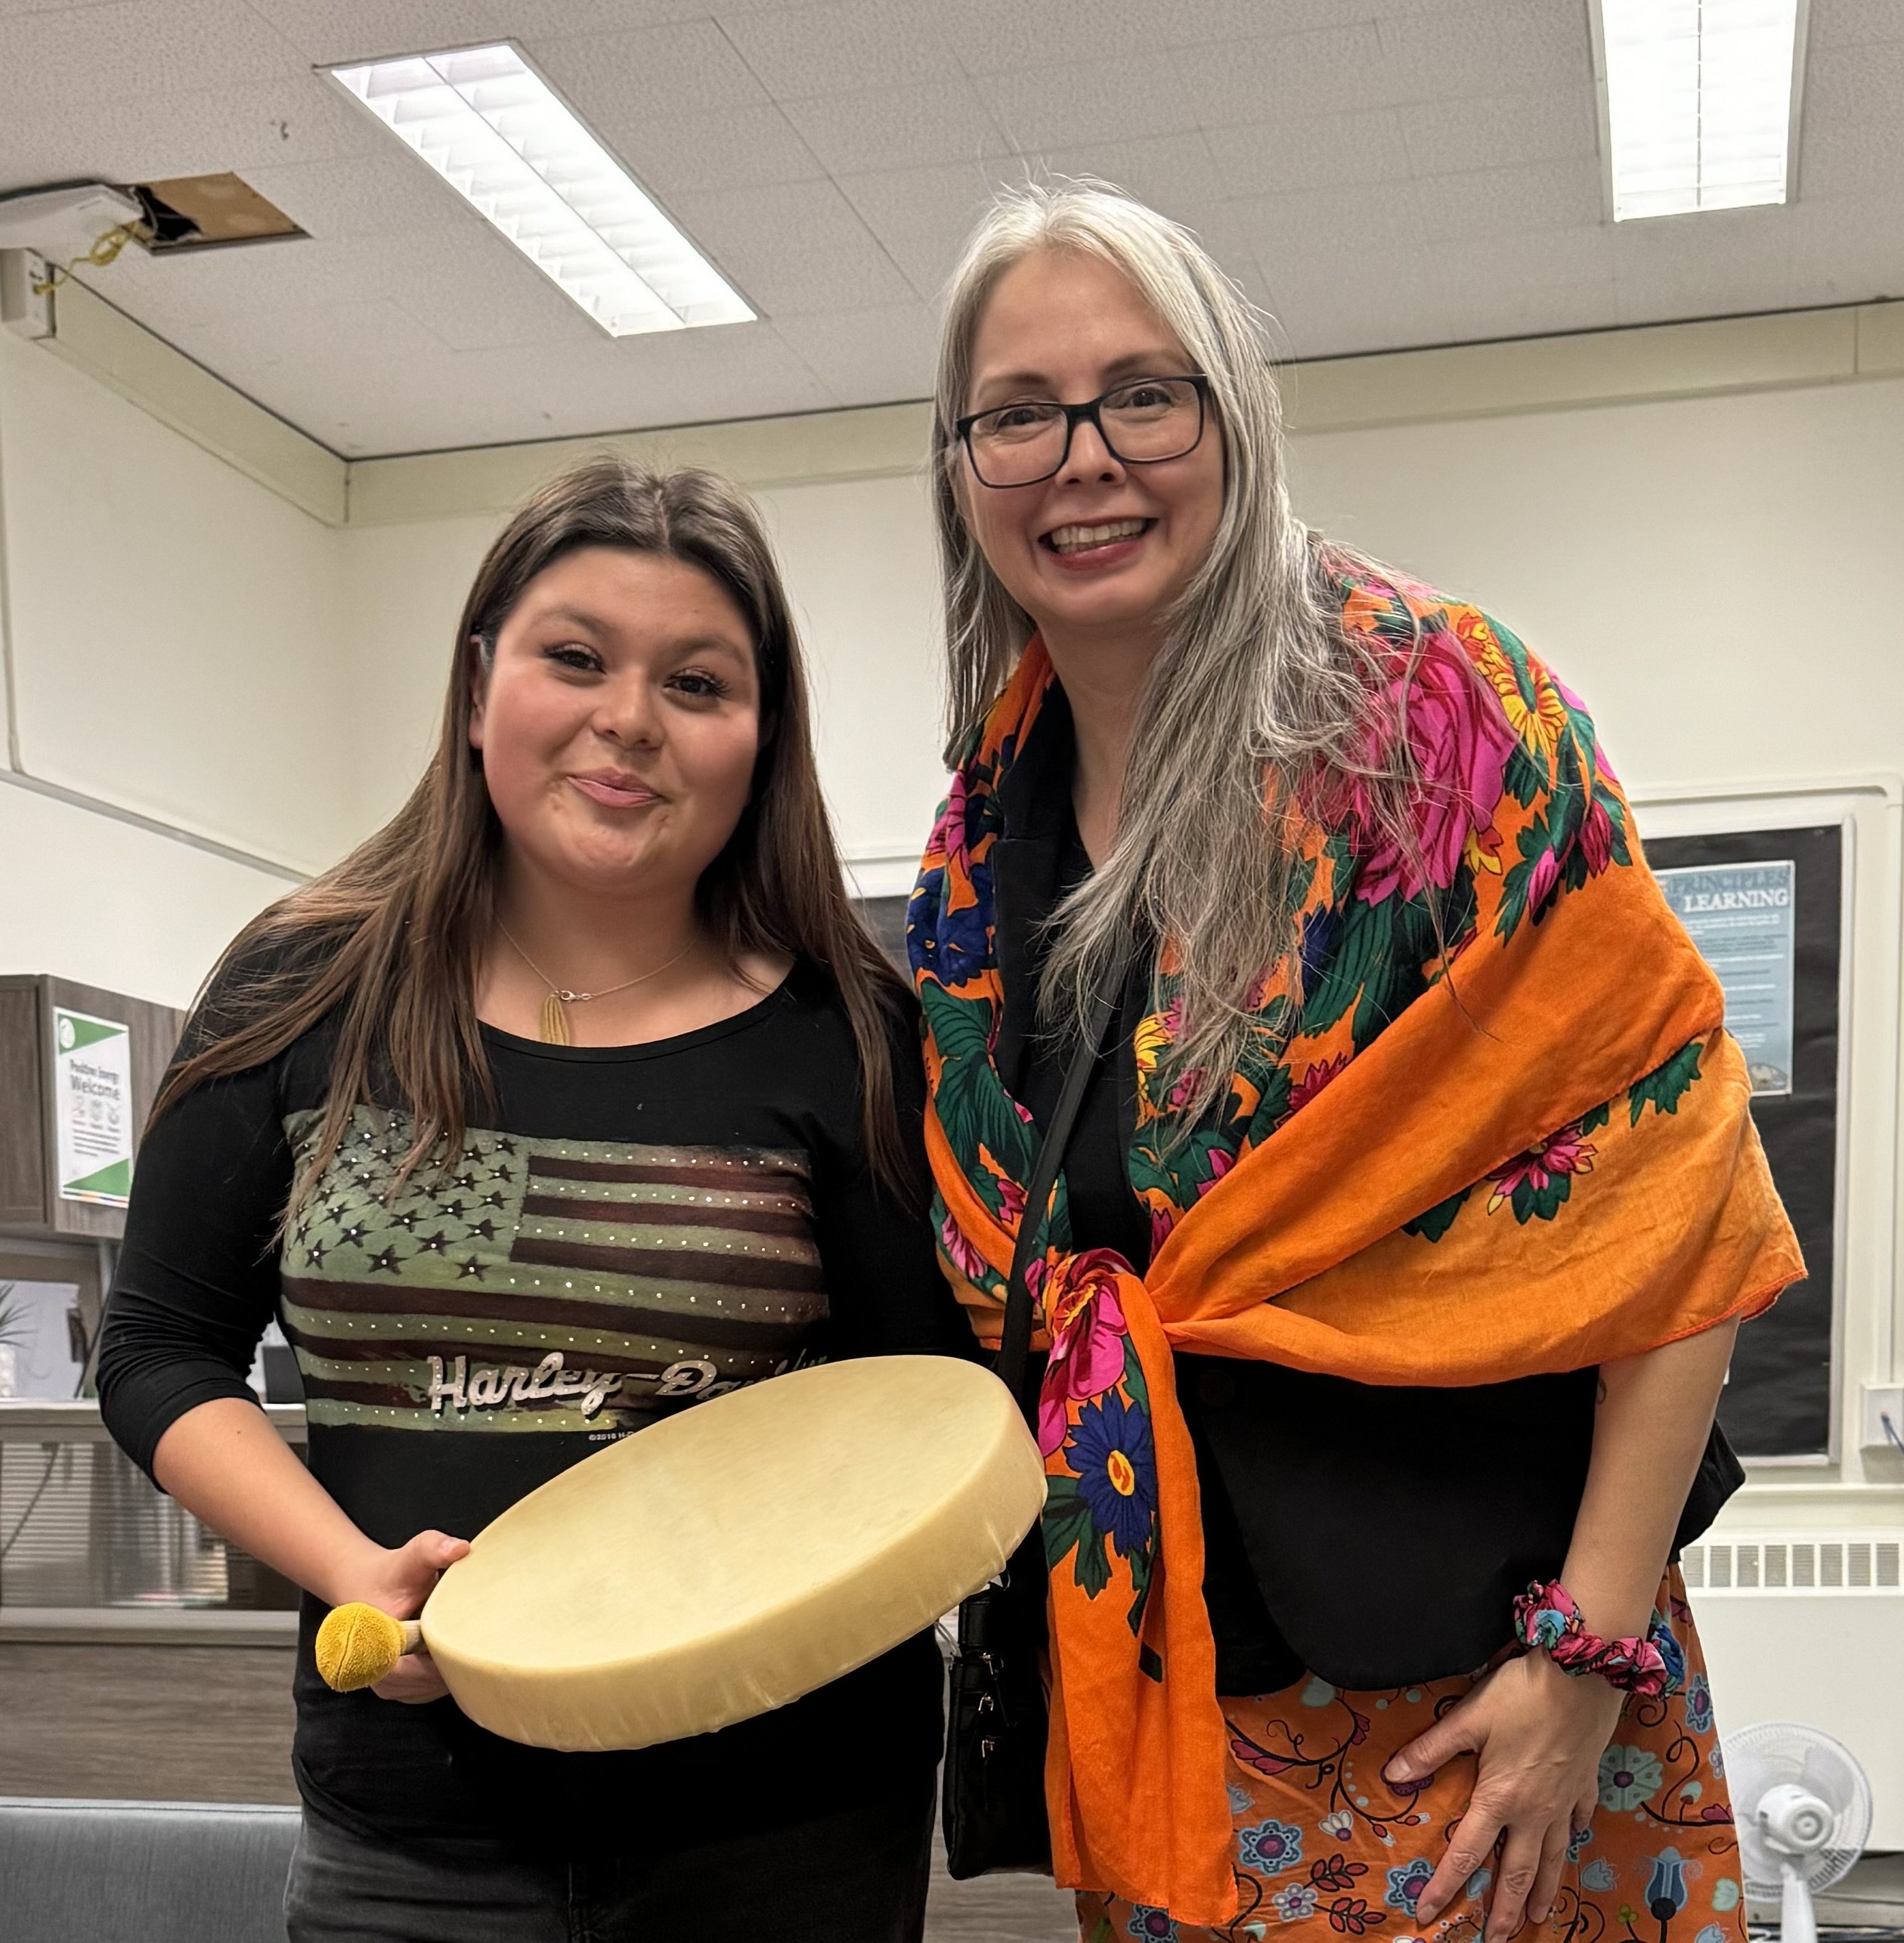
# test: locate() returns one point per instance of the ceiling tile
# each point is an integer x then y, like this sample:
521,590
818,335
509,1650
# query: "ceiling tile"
474,296
922,216
1173,173
1331,232
1851,155
618,81
1844,249
1456,53
297,118
1497,131
297,336
1133,96
1336,70
897,128
1223,230
1490,266
1271,157
137,47
327,32
1549,195
794,247
719,148
992,36
1389,308
406,322
488,396
1834,23
368,195
1854,86
842,49
873,357
170,293
1716,264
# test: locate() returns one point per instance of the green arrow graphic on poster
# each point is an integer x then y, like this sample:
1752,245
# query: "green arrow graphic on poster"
92,1107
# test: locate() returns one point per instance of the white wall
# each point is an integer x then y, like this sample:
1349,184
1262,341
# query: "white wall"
95,900
172,630
1711,574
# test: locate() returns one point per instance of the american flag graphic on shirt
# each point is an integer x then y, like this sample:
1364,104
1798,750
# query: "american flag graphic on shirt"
542,1284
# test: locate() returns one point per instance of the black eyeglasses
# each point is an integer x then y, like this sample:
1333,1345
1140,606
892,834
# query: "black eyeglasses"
1142,422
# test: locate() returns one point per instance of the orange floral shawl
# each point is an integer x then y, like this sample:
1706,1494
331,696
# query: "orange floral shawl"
1528,1151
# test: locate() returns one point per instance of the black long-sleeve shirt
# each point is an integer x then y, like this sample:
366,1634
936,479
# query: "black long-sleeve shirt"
631,1229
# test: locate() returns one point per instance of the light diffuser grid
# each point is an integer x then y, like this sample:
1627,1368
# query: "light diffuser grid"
1699,103
494,130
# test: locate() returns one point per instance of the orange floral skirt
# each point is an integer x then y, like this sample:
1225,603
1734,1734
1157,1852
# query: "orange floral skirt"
1324,1849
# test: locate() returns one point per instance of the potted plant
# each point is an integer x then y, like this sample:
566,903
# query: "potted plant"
11,1334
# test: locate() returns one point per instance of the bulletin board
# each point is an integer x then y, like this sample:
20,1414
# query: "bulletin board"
1782,964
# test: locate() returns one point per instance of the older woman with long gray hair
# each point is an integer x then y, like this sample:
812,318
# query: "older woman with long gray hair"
1408,1201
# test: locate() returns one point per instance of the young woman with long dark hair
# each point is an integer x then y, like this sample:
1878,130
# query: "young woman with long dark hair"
576,1094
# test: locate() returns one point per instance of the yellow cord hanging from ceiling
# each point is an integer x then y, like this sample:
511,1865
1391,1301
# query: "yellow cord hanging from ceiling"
105,250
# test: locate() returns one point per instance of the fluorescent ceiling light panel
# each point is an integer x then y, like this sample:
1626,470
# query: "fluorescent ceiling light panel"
1701,100
498,135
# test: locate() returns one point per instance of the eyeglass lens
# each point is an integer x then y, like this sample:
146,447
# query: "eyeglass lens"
1153,420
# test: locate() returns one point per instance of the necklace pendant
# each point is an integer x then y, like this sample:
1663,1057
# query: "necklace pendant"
555,1021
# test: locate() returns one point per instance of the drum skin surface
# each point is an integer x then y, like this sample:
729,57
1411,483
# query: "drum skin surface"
727,1560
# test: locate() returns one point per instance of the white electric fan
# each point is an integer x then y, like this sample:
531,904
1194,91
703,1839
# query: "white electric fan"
1802,1807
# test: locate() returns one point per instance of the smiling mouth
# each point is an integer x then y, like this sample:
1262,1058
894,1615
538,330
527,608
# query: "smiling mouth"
1086,539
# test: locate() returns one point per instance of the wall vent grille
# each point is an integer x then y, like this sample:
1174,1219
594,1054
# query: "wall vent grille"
1847,1562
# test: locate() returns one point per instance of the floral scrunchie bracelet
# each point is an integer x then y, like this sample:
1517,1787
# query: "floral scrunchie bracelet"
1546,1616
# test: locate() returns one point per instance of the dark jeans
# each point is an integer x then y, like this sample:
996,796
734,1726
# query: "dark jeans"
858,1876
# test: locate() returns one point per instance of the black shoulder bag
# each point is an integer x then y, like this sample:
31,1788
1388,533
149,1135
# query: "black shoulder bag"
994,1783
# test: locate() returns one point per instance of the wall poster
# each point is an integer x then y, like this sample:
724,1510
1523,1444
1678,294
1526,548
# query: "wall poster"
1740,916
1766,908
92,1107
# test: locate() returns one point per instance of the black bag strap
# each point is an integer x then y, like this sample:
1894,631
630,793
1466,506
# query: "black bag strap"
1014,1350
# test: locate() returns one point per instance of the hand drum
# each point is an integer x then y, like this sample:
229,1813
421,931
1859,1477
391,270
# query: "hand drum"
725,1560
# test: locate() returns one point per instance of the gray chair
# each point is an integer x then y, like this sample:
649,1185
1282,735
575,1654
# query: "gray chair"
142,1872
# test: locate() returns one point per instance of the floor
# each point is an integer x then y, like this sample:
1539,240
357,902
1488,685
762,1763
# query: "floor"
213,1723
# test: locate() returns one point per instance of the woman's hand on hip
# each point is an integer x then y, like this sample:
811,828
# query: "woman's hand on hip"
1538,1734
397,1582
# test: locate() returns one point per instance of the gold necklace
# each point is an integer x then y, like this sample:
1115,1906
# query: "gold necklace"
553,1028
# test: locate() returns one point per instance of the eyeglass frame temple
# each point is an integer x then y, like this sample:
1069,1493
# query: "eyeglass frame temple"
1076,414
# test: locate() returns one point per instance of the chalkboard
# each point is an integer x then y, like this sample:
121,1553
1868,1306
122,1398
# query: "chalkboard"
1778,1402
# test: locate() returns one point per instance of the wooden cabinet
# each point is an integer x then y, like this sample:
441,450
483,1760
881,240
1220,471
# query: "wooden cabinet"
30,1200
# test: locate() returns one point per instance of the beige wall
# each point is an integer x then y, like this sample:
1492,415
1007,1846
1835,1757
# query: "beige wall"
1711,574
104,902
172,631
174,624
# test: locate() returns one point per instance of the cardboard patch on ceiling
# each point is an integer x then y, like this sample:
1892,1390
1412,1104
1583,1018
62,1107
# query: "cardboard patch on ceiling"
206,212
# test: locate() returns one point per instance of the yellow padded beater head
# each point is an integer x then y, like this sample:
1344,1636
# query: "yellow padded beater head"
357,1645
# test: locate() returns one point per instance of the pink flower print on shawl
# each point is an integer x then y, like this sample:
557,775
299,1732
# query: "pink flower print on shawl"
965,1258
947,838
1460,738
1567,1152
1086,1321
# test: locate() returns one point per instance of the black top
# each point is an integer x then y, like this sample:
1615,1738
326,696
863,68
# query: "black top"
1325,1501
631,1229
